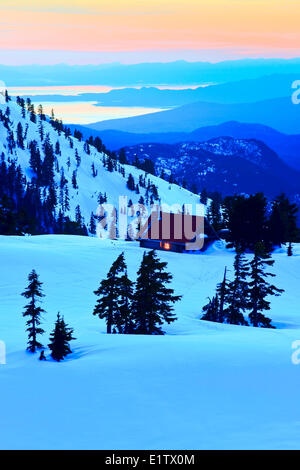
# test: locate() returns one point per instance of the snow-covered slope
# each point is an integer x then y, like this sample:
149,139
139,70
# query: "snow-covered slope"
89,187
202,386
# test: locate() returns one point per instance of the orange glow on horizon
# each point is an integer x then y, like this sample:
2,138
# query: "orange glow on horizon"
136,25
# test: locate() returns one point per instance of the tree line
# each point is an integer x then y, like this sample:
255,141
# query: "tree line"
246,220
247,293
126,310
136,308
60,336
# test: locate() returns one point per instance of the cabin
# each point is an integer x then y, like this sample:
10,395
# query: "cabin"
181,233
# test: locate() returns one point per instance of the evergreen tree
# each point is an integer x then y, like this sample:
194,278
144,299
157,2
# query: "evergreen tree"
122,157
66,200
20,137
259,288
212,310
41,113
125,321
109,292
78,216
214,213
74,180
94,171
78,158
48,163
246,219
92,224
35,158
60,339
57,148
238,291
152,298
130,182
32,310
215,310
110,165
223,293
41,130
283,221
7,97
203,196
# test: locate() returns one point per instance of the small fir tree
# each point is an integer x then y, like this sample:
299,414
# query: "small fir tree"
211,310
92,226
152,298
60,339
259,288
33,293
109,292
238,292
223,293
125,321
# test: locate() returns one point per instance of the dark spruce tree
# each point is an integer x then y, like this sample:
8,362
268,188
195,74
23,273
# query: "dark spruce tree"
92,226
246,220
60,339
20,136
122,156
125,321
283,221
212,311
35,159
203,196
215,310
238,292
223,294
152,302
130,182
214,213
259,288
33,293
48,163
109,292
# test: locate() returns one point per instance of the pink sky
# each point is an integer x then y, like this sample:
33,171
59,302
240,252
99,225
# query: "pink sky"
90,31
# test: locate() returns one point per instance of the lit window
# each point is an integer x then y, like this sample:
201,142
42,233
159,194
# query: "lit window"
167,246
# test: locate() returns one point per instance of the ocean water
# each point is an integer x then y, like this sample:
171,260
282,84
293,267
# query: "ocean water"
85,111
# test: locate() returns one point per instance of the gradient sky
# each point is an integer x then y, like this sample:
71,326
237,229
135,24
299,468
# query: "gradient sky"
129,31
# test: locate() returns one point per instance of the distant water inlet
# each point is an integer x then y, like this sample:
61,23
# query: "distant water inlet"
86,112
78,112
78,105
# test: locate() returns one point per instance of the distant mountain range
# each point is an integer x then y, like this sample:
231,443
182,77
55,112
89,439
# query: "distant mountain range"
168,73
223,164
279,113
286,146
243,91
